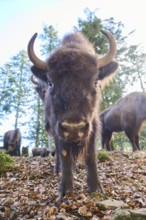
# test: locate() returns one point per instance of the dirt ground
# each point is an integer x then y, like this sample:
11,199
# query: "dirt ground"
30,190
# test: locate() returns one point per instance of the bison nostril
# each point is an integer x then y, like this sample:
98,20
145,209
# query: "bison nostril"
85,127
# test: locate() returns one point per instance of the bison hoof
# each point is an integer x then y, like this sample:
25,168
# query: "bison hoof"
95,186
67,193
98,188
63,199
65,188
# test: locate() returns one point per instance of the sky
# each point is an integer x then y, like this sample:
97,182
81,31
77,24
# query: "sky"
20,19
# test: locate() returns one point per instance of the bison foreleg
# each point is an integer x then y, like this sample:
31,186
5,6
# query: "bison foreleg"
132,139
93,181
137,141
66,183
18,150
57,157
106,138
57,162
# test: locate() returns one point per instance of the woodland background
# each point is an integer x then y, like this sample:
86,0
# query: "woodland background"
20,104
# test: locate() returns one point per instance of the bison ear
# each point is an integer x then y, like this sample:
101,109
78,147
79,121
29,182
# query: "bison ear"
39,73
108,70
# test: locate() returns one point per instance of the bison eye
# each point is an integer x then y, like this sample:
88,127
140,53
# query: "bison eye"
50,84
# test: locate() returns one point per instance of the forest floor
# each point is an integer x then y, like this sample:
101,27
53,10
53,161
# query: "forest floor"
30,190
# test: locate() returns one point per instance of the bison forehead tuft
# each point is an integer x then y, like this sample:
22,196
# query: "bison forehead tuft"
72,61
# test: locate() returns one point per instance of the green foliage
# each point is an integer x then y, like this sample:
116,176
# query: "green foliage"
6,162
33,176
37,132
134,67
49,38
121,142
91,28
103,156
14,87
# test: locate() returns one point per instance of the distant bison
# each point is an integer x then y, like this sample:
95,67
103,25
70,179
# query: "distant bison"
72,73
126,115
25,151
40,151
12,142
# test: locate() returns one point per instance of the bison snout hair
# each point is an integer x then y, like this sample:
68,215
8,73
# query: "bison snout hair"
73,131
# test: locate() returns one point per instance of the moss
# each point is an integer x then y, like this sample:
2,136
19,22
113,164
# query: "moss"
103,156
6,162
33,176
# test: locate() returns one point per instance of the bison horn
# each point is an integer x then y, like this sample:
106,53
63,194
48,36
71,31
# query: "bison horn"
112,50
34,59
33,80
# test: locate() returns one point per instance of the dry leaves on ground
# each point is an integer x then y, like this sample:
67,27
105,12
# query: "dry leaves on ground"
30,190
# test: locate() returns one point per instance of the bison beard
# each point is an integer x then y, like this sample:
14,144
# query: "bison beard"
71,101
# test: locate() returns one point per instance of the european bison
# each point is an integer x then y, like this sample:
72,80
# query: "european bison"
71,102
126,115
41,88
40,151
12,142
25,151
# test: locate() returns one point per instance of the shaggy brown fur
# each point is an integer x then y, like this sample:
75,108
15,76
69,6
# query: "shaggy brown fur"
71,105
127,115
12,142
40,151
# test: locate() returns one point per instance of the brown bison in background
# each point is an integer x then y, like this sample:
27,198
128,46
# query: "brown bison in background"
72,100
40,151
25,151
12,142
126,115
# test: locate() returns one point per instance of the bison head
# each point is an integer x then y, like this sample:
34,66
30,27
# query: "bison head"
71,74
41,87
